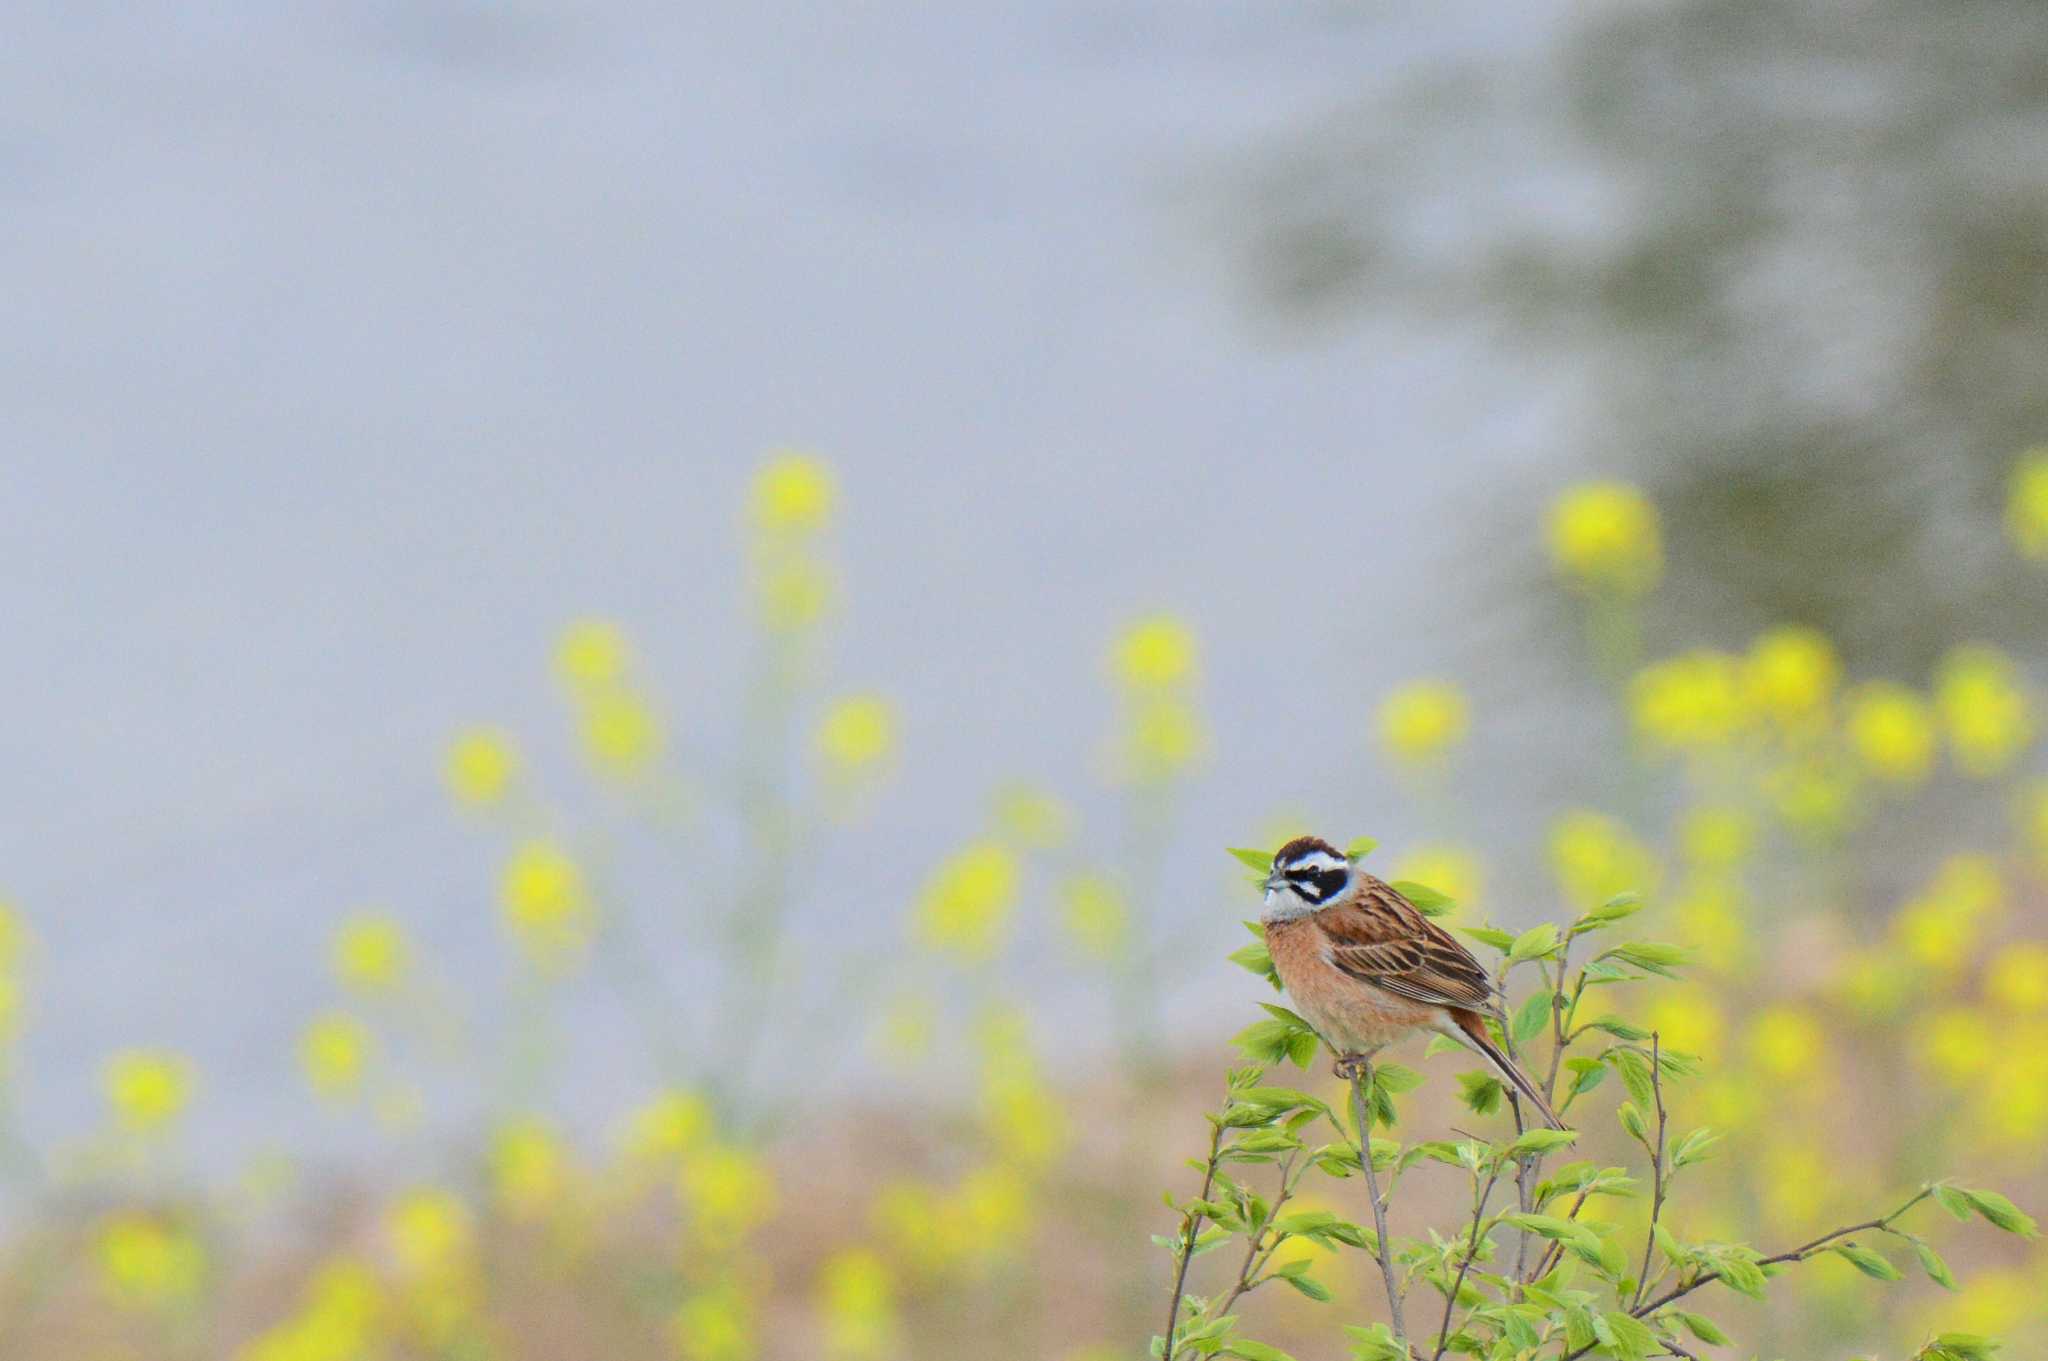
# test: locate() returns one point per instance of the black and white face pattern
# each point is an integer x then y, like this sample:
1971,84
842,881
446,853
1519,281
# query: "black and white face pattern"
1306,875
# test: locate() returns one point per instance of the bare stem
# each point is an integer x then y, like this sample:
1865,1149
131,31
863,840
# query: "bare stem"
1657,1172
1443,1332
1189,1231
1361,1115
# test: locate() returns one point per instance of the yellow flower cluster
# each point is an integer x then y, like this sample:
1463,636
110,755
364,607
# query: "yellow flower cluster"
1424,721
2026,505
1096,916
342,1319
1452,871
1595,857
728,1191
790,506
371,954
856,1296
333,1051
1604,537
546,905
480,767
965,907
1155,663
147,1089
1985,710
621,734
1691,702
146,1263
857,735
1941,929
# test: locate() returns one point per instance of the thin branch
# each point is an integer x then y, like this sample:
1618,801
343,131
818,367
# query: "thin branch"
1656,1169
1443,1332
1362,1116
1187,1247
1248,1277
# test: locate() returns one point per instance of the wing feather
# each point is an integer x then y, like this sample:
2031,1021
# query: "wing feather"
1383,939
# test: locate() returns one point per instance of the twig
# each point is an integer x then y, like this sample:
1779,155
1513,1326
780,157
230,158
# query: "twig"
1248,1277
1656,1169
1443,1332
1187,1246
1362,1117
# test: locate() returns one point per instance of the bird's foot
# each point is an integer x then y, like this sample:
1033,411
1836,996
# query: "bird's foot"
1349,1066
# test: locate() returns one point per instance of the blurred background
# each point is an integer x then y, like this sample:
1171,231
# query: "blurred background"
638,629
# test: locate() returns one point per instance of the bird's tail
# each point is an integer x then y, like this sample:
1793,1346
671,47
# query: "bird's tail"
1472,1030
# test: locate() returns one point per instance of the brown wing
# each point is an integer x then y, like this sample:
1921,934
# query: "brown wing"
1383,939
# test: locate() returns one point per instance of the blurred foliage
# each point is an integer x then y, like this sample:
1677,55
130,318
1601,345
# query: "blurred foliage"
1864,1030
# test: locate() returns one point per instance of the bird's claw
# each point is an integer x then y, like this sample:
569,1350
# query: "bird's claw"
1350,1066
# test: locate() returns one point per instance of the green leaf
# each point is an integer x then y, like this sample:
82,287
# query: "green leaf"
1634,1071
1567,1231
1481,1091
1632,1121
1502,941
1301,1048
1621,1030
1256,958
1936,1269
1615,908
1952,1200
1265,1041
1261,861
1426,900
1307,1285
1396,1078
1588,1074
1534,943
1624,1337
1869,1263
1541,1140
1701,1327
1654,956
1699,1144
1360,848
2001,1212
1254,1351
1960,1347
1740,1274
1532,1018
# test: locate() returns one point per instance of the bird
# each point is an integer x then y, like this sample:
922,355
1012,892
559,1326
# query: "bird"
1366,967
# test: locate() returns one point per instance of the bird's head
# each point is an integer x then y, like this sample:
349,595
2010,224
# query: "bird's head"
1308,873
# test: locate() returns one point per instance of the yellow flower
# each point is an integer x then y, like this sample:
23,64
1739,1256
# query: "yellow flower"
1891,731
342,1313
480,766
857,1299
1604,535
148,1088
1786,1042
715,1325
965,905
1710,921
144,1263
1093,910
1167,737
1940,929
729,1190
593,654
1984,708
2026,505
1795,1181
1424,721
793,494
1717,837
1815,795
1877,983
545,902
621,734
1958,1044
1451,870
996,1205
1033,818
857,733
333,1051
793,593
529,1168
1687,1020
2017,978
1022,1115
668,1127
1156,653
1690,702
429,1232
371,954
1791,674
1596,858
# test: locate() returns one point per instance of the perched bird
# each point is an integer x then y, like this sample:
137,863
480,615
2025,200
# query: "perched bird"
1366,967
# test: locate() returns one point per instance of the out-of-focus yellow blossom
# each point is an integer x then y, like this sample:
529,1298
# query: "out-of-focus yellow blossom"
340,1321
912,1219
1991,1302
1424,721
1022,1114
793,593
1688,1020
147,1088
149,1264
593,654
1595,858
2026,504
1877,983
1728,1101
333,1051
793,494
1984,709
729,1191
1710,921
1891,731
857,733
965,906
1941,928
545,902
2017,977
1813,794
529,1168
1790,675
1957,1043
668,1127
622,734
1167,736
370,953
429,1233
1156,653
996,1203
971,1226
1032,818
1604,536
1093,910
1451,870
857,1301
910,1025
715,1325
1795,1181
1690,702
1786,1042
2012,1112
1717,837
480,766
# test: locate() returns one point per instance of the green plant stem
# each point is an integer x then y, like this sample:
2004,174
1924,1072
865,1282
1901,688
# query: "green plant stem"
1362,1116
1443,1332
1657,1172
1189,1232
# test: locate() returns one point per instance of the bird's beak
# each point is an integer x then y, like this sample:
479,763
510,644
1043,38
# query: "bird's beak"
1275,880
